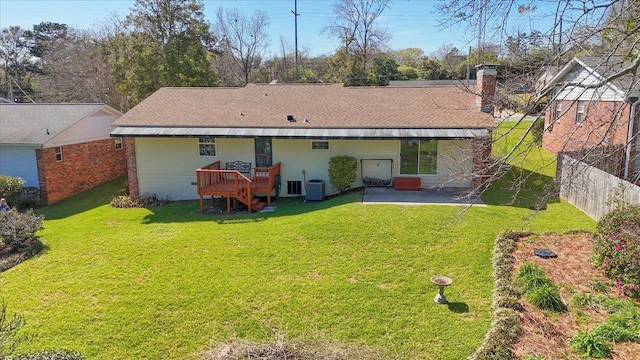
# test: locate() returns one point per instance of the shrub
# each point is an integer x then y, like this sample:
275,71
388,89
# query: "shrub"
616,249
50,355
547,298
591,345
123,202
342,172
613,333
530,276
531,282
17,229
151,199
598,285
628,318
590,301
11,188
538,289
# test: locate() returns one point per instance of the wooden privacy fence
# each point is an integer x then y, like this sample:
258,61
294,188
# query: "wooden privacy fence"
589,188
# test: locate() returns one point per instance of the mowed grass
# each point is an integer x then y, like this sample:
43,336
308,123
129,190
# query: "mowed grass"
162,283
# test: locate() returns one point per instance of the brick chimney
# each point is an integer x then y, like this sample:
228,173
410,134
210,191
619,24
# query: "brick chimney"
486,76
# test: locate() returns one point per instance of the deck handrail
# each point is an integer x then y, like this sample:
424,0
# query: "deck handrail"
271,171
212,174
212,180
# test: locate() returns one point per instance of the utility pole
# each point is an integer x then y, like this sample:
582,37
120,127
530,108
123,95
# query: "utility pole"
295,16
481,33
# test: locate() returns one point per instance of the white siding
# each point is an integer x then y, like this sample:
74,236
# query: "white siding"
581,75
20,161
96,127
166,166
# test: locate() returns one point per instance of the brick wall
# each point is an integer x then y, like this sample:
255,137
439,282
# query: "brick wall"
83,166
486,82
605,123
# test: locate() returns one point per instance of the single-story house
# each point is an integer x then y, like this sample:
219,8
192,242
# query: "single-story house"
61,149
588,112
433,135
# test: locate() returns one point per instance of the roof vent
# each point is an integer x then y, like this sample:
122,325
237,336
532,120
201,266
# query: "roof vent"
290,118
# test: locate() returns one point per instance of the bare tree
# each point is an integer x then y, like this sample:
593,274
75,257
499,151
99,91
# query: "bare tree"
356,25
15,60
74,70
605,35
241,42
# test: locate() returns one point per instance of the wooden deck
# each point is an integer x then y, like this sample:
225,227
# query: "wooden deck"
212,181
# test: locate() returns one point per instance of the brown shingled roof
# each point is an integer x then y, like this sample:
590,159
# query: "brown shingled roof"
322,105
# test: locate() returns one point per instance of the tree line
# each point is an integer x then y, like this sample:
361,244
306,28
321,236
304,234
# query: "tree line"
170,43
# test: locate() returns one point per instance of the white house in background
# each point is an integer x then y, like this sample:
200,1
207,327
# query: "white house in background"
61,149
435,135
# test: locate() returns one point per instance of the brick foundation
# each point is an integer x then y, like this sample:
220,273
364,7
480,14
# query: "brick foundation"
83,167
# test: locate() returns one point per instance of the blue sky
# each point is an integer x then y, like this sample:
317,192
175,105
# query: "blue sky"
411,23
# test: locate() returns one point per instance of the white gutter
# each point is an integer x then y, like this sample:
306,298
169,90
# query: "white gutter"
630,135
304,133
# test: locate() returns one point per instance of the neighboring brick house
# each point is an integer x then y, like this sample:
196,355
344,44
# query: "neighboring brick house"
589,114
61,149
430,136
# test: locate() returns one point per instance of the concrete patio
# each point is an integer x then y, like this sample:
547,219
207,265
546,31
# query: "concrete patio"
438,196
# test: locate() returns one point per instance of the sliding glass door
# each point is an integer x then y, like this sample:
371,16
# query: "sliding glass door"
418,157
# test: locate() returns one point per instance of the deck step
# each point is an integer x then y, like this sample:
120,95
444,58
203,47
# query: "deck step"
257,205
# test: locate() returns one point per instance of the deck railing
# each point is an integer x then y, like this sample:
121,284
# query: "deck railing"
212,180
265,177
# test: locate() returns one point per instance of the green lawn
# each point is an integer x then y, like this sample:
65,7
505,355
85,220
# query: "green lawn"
161,283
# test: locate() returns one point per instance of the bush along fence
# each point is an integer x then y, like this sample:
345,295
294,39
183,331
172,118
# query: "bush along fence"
589,188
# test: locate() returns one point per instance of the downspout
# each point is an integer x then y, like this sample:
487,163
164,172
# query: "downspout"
630,135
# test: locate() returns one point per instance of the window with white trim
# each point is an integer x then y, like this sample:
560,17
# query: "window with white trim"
558,110
580,113
207,146
58,151
118,142
320,145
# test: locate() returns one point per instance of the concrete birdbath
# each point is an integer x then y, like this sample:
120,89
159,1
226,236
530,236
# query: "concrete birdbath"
441,281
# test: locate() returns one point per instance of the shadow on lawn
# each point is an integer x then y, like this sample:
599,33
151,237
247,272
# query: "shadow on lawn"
189,211
522,188
90,199
458,307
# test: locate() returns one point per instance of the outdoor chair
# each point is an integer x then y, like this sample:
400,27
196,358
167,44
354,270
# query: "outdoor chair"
242,167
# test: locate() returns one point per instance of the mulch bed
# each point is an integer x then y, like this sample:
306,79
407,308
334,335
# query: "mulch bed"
547,334
10,257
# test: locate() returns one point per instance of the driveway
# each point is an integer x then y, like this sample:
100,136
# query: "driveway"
438,196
